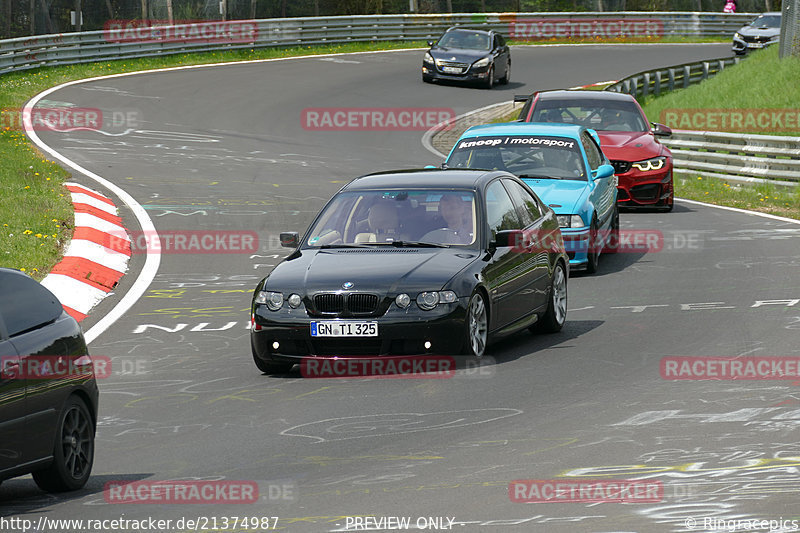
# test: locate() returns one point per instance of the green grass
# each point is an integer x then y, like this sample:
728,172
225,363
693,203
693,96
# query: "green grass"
762,197
760,81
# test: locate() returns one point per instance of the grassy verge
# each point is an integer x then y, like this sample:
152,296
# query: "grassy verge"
762,81
764,198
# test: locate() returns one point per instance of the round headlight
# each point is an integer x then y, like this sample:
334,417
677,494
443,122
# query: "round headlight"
294,301
427,300
402,300
274,300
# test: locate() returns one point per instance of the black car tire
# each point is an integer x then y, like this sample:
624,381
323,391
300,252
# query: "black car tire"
73,453
612,244
490,78
476,326
505,79
553,319
270,367
593,253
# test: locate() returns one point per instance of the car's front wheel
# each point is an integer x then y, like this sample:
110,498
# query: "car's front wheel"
73,453
477,326
612,244
505,79
593,253
553,319
490,78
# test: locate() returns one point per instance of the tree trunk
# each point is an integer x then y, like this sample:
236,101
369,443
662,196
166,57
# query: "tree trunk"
169,11
33,17
316,8
449,6
49,22
110,9
7,22
78,15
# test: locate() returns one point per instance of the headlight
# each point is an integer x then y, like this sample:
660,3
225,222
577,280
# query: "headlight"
737,35
481,62
273,300
657,163
570,221
429,300
427,58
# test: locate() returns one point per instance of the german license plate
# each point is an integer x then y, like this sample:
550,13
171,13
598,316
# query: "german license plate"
451,70
755,45
333,328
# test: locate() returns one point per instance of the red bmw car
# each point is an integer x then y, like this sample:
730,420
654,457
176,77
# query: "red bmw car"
642,164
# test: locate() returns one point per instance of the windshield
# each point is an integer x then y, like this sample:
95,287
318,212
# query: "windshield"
767,21
468,40
600,115
533,156
397,217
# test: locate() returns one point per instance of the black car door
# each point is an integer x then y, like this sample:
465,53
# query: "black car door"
505,54
537,244
505,274
12,403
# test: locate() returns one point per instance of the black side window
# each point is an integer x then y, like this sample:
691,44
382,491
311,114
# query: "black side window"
500,211
501,41
24,303
496,42
593,153
527,207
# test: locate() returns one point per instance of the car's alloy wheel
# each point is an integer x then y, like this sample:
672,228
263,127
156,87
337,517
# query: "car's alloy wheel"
73,454
477,326
593,253
490,78
505,79
556,314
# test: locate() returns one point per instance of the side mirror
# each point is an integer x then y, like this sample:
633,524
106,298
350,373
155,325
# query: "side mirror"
431,43
603,171
290,239
661,130
509,237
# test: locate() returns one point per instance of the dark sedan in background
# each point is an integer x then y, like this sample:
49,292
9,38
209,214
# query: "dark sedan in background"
413,263
466,55
48,391
642,164
763,31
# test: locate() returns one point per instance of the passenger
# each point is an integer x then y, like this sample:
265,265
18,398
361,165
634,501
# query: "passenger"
458,215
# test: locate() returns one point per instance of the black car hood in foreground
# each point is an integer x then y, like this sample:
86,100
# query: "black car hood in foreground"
379,269
459,55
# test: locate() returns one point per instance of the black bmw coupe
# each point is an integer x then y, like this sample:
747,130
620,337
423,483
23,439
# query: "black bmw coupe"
413,263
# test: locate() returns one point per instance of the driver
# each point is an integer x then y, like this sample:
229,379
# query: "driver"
458,215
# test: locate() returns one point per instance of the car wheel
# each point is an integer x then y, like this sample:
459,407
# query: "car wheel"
490,78
269,367
477,326
593,254
505,79
556,314
612,244
73,454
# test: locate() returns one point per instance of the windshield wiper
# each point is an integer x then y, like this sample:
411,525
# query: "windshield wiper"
419,244
533,177
342,245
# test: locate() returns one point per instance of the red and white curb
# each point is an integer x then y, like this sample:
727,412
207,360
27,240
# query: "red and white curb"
90,269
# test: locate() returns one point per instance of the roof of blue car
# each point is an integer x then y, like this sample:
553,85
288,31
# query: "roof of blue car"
525,128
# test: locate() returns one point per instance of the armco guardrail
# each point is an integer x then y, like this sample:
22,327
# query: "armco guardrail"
63,49
736,156
654,82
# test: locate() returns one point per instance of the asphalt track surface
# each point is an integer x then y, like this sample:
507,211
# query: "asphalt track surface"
222,148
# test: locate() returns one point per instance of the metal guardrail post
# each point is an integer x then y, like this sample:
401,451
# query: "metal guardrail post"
705,70
687,76
671,84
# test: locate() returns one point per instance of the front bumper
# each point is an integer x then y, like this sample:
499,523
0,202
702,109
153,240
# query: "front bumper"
472,75
741,46
645,189
576,244
400,332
